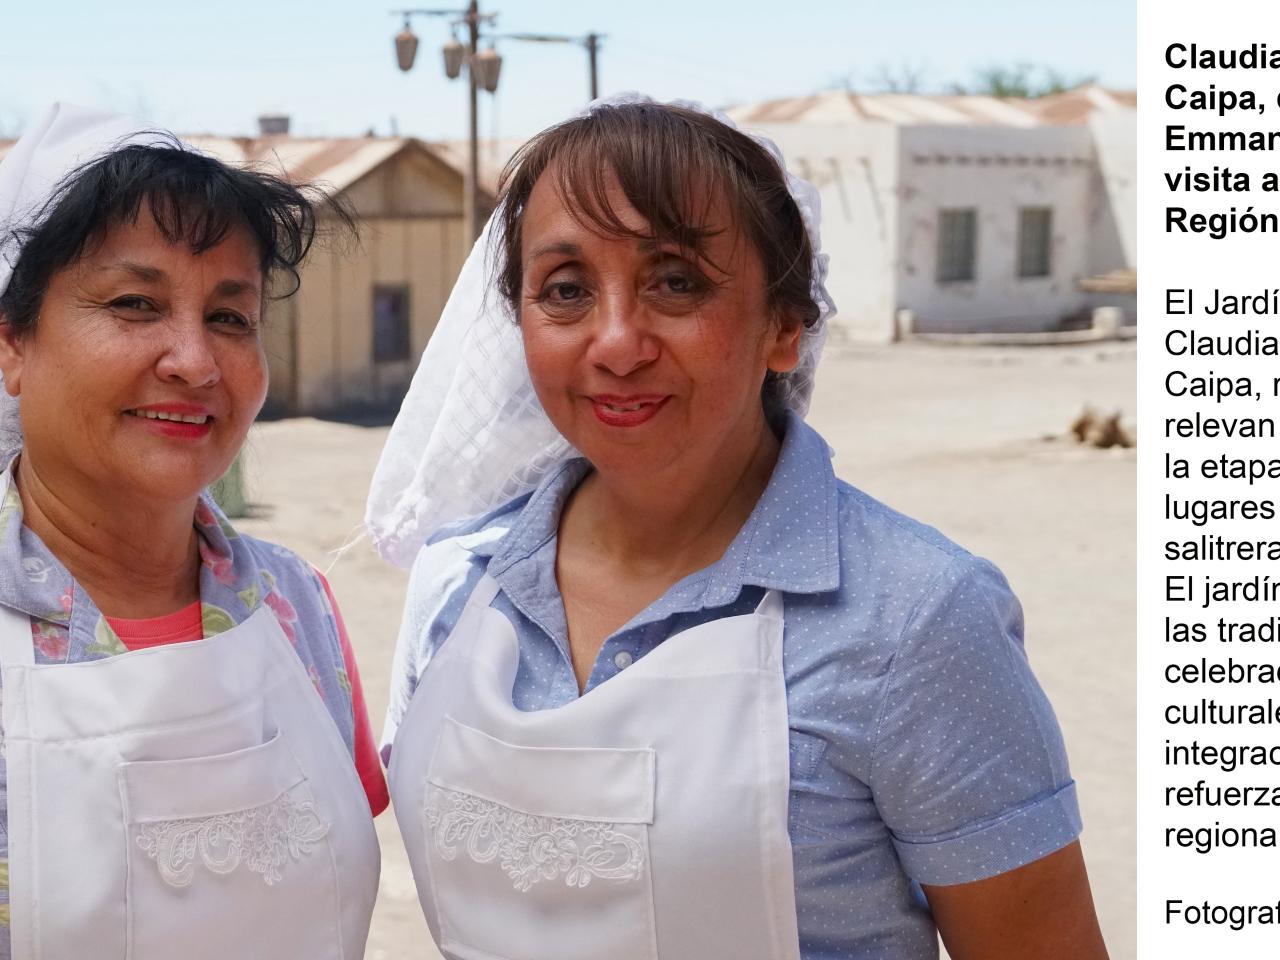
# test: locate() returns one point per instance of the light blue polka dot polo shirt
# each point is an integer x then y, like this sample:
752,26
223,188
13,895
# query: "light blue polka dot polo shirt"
922,748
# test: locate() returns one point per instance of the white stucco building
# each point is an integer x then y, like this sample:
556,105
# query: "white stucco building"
974,213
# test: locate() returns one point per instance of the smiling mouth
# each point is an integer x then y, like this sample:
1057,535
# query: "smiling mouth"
198,419
622,412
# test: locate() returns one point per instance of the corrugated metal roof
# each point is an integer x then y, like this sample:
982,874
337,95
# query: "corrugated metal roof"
335,163
1070,108
494,154
332,163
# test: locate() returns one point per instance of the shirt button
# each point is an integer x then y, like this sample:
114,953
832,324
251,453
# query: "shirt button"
622,660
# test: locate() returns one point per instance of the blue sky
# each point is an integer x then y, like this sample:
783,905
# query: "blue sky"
214,66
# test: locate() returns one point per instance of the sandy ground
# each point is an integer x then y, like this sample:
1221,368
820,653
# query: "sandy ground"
953,436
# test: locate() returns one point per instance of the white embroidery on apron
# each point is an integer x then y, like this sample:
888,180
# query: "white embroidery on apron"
530,848
264,838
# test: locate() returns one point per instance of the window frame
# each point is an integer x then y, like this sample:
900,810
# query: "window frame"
404,349
948,267
1043,265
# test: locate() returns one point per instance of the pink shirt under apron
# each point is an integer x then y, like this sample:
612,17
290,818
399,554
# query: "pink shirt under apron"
187,624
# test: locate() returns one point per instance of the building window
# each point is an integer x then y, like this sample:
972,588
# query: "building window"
1035,226
390,323
957,244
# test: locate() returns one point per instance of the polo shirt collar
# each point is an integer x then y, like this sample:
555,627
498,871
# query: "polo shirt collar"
790,542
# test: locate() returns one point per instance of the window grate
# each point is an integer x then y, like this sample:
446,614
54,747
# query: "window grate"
1035,231
957,244
390,323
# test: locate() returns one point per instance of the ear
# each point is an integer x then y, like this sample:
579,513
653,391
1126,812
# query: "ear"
782,352
12,354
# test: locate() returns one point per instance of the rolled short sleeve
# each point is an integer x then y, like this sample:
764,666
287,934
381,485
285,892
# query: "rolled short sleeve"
969,770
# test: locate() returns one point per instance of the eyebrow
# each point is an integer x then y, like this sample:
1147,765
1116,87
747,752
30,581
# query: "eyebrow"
140,271
566,249
233,288
147,274
563,248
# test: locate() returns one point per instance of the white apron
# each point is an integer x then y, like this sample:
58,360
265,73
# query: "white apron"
646,819
193,800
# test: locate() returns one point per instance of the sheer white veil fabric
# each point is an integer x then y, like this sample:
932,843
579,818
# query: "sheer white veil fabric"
62,140
471,434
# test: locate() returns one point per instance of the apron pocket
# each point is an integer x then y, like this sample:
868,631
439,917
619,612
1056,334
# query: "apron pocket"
228,855
539,853
229,731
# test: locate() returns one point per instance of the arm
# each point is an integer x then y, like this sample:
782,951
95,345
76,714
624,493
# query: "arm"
1042,911
972,779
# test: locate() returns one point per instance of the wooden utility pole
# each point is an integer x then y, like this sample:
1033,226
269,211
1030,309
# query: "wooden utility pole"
593,45
471,215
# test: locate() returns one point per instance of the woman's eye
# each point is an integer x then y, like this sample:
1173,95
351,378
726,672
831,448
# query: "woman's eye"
564,292
230,319
133,304
680,284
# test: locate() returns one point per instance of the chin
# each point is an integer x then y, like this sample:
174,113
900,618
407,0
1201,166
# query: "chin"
620,459
173,489
170,478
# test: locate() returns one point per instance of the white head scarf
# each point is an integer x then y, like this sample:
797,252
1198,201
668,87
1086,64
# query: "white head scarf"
472,435
61,141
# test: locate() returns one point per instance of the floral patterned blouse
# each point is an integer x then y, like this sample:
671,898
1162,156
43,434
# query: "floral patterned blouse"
238,574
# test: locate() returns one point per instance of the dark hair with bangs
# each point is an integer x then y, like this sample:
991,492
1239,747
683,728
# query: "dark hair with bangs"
194,199
671,164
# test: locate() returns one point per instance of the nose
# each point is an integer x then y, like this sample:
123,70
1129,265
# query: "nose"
187,356
622,342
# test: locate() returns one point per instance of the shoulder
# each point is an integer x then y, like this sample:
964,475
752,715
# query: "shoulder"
445,560
269,574
247,571
280,567
446,570
875,556
906,568
929,613
882,530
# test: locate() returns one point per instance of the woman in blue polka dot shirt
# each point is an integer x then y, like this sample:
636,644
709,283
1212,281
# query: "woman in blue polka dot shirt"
694,696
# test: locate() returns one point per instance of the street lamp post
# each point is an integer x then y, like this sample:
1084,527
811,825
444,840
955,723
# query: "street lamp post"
483,68
593,45
471,217
591,42
455,58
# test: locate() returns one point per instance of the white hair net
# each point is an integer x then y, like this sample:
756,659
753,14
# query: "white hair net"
64,139
472,435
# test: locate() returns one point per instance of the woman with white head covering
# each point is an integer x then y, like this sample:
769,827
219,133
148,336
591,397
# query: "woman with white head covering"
680,692
182,719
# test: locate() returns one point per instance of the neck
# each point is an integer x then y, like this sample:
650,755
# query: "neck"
682,519
135,557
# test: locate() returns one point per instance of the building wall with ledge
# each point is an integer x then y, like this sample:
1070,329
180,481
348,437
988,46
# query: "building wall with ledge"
886,166
1115,140
995,172
855,170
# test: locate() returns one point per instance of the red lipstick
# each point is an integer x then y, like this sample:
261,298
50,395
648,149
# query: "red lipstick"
179,421
619,411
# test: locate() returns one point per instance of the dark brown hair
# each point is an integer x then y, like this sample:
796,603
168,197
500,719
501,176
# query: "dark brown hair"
672,164
193,198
